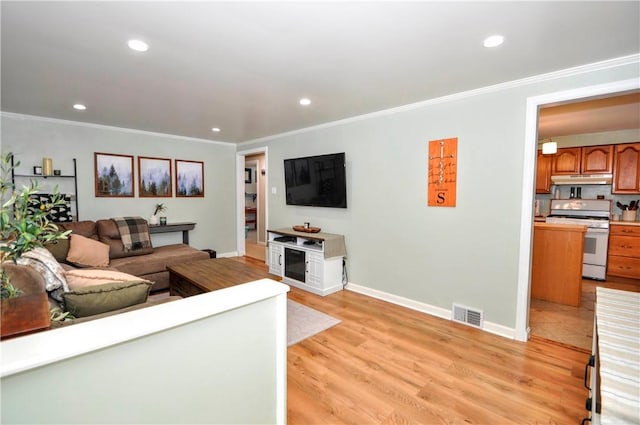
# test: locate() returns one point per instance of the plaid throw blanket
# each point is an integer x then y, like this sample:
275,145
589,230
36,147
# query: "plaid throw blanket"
134,232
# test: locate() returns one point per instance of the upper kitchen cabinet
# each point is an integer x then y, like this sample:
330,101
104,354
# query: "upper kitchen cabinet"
543,173
583,160
567,161
626,170
597,160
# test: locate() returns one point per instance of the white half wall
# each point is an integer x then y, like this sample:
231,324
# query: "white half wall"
218,357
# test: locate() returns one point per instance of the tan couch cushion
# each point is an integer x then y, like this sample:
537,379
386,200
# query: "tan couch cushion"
86,252
90,277
85,228
109,234
59,249
161,257
106,297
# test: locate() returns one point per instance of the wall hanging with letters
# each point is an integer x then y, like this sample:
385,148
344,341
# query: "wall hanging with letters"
443,173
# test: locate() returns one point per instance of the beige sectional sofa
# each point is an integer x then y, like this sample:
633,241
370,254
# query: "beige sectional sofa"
149,263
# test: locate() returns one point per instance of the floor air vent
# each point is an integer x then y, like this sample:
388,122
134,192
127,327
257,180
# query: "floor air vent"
467,315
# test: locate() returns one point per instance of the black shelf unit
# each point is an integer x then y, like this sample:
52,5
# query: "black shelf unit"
73,176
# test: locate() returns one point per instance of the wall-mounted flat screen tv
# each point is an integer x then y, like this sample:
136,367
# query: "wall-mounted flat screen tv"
316,181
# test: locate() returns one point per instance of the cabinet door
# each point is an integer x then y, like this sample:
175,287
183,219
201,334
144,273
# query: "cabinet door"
597,159
543,173
567,161
315,269
276,259
625,246
626,169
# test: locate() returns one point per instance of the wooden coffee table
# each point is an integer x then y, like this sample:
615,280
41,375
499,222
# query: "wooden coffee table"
202,276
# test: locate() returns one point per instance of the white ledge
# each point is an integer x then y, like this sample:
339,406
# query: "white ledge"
31,351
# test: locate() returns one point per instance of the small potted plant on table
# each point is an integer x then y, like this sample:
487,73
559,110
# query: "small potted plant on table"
154,219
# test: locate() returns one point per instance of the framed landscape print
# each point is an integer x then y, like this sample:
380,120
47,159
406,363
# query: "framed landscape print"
154,177
113,175
189,178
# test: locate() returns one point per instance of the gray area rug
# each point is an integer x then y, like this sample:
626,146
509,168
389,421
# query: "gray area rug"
304,322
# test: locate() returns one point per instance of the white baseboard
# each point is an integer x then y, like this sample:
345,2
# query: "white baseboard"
227,254
440,312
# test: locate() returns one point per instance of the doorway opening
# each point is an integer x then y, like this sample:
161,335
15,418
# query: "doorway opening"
531,145
251,203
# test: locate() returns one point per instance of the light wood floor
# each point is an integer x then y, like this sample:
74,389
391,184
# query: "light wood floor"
252,248
571,325
385,364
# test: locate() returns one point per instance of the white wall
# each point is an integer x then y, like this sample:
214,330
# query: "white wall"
32,138
398,245
218,357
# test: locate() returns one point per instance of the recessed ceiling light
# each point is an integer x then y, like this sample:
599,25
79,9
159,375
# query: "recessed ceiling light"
138,45
215,129
305,102
79,107
493,41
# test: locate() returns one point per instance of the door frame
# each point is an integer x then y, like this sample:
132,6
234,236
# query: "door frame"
240,161
528,185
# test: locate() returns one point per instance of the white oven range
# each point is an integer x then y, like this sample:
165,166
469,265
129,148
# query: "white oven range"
593,213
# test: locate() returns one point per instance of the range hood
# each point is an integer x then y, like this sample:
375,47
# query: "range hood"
577,179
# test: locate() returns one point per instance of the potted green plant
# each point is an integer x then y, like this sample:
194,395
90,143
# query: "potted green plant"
23,224
159,208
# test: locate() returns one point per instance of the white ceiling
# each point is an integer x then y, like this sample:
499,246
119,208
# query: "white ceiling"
619,112
243,66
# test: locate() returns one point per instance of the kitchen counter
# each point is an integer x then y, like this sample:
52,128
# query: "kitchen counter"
556,274
624,223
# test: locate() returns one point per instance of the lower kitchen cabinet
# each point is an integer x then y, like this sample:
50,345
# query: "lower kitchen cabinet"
624,251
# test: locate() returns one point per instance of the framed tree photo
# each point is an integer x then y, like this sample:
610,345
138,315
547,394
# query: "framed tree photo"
114,175
154,177
189,178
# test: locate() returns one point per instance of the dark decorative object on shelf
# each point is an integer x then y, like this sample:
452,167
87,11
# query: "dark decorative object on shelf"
37,170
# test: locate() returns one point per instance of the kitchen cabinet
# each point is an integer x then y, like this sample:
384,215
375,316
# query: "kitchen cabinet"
626,169
624,251
583,160
543,173
556,267
567,161
597,160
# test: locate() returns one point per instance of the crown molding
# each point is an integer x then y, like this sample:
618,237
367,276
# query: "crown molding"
564,73
16,116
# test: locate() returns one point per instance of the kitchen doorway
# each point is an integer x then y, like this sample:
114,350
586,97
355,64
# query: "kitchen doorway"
251,202
531,145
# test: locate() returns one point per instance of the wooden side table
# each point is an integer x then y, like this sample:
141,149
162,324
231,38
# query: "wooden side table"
24,315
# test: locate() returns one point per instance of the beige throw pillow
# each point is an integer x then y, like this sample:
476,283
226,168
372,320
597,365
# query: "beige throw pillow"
91,277
87,252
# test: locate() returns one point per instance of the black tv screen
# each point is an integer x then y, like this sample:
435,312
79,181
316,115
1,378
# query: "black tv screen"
316,181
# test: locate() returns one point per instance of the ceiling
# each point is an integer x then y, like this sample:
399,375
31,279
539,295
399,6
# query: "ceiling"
243,66
621,112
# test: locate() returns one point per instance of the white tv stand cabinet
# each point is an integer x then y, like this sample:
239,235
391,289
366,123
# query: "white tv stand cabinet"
309,261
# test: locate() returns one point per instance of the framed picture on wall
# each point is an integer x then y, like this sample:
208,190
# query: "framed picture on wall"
189,178
247,175
154,177
114,175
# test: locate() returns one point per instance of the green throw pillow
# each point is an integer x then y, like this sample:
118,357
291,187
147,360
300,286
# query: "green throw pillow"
98,299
